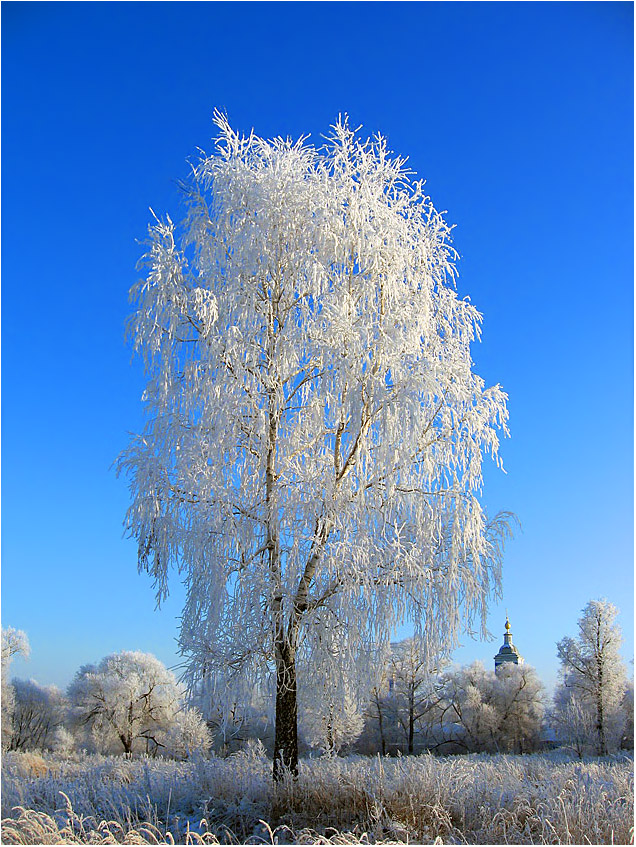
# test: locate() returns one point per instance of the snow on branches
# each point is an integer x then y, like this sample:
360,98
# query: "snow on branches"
312,454
589,711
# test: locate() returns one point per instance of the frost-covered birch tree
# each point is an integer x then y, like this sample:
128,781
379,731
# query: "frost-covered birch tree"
312,453
413,671
593,679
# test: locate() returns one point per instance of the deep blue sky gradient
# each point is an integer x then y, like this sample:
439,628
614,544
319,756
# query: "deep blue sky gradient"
520,118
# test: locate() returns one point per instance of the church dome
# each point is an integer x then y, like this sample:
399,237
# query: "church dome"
507,652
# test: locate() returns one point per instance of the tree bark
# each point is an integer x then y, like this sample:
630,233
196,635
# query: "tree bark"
411,721
376,701
382,741
126,741
286,731
600,725
600,693
331,744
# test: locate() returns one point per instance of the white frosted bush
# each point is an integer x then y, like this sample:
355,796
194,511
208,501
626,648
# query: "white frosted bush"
187,734
63,741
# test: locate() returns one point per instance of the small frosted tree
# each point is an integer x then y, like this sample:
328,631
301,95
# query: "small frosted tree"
469,716
493,712
573,721
412,670
39,711
129,700
593,677
331,704
14,643
520,699
330,724
378,719
313,448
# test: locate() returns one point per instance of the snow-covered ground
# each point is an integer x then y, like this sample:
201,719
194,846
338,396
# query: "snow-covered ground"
476,799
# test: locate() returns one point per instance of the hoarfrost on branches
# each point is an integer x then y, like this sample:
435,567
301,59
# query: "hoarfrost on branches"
186,734
14,642
312,455
588,702
412,671
494,712
39,711
131,701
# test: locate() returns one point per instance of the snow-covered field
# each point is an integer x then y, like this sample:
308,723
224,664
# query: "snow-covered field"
477,799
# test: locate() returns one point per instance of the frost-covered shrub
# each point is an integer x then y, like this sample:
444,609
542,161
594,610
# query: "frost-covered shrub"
187,734
333,725
331,703
63,742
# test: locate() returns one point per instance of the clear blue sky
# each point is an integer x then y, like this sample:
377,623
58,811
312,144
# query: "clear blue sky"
520,118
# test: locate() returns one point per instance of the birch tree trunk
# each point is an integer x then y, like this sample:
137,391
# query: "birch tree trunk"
286,732
600,692
411,725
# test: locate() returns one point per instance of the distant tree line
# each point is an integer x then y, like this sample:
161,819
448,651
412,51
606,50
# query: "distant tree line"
472,709
462,710
131,704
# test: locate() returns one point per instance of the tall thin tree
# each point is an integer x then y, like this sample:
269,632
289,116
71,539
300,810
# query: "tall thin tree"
412,670
592,669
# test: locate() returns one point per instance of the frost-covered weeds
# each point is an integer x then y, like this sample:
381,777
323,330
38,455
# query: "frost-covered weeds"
475,799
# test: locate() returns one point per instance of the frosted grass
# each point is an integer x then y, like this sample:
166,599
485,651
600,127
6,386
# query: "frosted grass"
476,799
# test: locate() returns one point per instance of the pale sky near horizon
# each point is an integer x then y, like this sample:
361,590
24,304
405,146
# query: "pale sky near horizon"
520,118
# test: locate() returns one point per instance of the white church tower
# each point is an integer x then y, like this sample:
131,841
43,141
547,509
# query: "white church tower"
507,652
